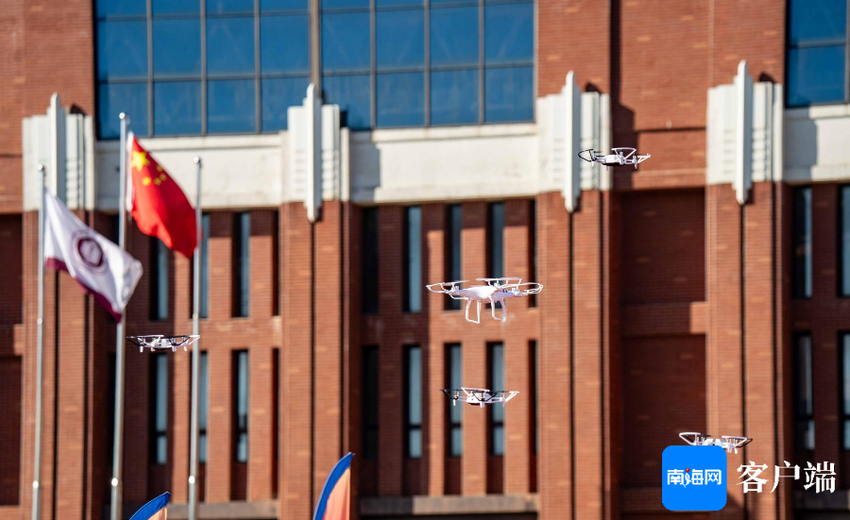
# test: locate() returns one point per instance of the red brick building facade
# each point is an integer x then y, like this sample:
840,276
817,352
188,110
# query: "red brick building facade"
667,307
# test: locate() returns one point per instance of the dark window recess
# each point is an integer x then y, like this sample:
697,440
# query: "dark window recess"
803,392
370,261
497,413
496,239
240,408
158,280
454,430
370,403
845,242
241,264
413,402
159,409
413,259
454,226
802,254
203,407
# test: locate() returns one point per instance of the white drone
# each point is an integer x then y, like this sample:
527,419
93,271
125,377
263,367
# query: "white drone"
479,396
160,342
726,442
620,157
496,290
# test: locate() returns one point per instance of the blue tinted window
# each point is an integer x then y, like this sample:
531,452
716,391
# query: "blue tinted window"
231,106
384,3
496,241
817,20
342,4
283,5
175,7
177,107
159,409
122,50
352,95
345,42
204,304
455,441
454,36
509,33
400,37
401,99
509,94
241,263
413,259
278,94
284,44
413,403
497,413
203,407
159,280
240,407
454,97
229,6
120,8
176,48
815,75
230,46
131,98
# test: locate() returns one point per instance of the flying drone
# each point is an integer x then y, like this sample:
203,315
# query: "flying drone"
496,290
479,396
726,442
619,157
160,342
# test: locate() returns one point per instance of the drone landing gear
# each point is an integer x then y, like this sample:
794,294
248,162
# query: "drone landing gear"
478,304
504,317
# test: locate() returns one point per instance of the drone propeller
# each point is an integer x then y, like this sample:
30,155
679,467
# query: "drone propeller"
500,282
444,287
739,442
532,287
591,155
698,438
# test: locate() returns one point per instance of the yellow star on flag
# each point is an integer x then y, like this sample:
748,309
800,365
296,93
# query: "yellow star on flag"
140,160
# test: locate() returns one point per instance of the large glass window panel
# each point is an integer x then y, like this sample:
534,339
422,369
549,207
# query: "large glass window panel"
204,304
241,263
106,8
414,402
400,99
284,44
176,48
159,7
453,361
177,107
203,406
413,259
230,106
122,50
159,404
454,36
803,393
241,407
497,413
509,94
352,94
845,241
229,6
283,5
400,38
345,42
454,225
344,4
816,20
389,3
114,98
278,94
230,46
509,33
454,97
802,254
159,280
845,389
815,75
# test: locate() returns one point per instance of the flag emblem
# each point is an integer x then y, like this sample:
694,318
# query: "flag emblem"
88,251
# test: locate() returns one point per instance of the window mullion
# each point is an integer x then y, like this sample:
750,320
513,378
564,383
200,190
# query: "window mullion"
149,10
203,68
480,61
257,110
427,57
373,80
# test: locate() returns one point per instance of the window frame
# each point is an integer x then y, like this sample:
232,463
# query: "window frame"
496,413
410,425
803,415
807,261
453,247
412,264
241,272
241,418
454,414
160,264
159,368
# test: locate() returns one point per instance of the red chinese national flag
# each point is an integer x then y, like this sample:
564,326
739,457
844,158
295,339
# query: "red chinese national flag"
157,203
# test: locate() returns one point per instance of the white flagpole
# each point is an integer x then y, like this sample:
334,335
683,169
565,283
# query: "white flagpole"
39,376
115,512
196,353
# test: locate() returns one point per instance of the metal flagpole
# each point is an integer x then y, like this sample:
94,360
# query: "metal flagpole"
39,375
118,434
196,353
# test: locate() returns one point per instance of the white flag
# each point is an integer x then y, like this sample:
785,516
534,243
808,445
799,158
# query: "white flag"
103,269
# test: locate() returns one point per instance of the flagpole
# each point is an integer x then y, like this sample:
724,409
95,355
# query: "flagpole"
196,352
39,371
118,434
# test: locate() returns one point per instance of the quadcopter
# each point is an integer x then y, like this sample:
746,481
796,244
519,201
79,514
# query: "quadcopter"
620,157
495,290
726,442
160,342
479,396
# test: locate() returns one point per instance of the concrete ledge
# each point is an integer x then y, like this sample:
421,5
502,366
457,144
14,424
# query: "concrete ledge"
449,505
